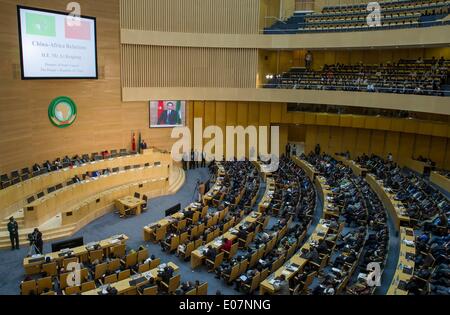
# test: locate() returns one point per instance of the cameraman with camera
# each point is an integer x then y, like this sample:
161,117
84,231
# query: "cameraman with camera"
36,241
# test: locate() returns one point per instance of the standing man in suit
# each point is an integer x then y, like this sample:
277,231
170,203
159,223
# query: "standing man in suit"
192,159
203,159
13,229
196,158
170,116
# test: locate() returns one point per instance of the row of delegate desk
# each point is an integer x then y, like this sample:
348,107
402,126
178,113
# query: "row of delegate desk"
268,195
397,211
33,264
215,189
296,263
440,180
50,205
156,231
129,286
405,266
15,195
198,255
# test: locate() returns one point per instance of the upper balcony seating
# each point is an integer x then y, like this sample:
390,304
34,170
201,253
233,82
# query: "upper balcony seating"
394,14
425,77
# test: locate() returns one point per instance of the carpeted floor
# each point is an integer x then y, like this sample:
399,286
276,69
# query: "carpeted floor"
11,269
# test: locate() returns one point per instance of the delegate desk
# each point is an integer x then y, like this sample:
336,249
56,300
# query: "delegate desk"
396,208
214,190
32,265
47,207
357,169
91,208
198,255
329,209
405,264
14,197
157,231
418,166
131,203
128,286
307,167
296,263
440,180
268,195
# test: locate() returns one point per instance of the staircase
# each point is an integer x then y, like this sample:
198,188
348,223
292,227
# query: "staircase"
48,234
290,26
4,224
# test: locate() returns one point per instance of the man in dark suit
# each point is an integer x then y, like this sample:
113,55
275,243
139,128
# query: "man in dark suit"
170,116
13,229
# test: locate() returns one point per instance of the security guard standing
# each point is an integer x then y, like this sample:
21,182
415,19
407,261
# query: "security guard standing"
13,229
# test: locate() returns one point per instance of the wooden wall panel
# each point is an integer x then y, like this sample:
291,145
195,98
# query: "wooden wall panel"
406,147
253,113
438,150
362,142
392,144
422,146
159,66
311,138
377,142
297,133
242,114
335,145
323,138
191,16
264,114
103,122
275,113
349,140
210,114
381,140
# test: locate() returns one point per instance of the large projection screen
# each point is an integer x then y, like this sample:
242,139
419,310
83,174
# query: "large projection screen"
54,45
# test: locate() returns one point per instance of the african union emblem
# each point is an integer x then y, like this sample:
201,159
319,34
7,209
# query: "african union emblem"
62,112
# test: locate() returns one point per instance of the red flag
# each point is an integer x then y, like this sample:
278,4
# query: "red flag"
133,143
160,108
80,30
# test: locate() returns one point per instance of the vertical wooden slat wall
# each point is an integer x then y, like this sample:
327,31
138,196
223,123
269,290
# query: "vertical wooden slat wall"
160,66
191,16
157,66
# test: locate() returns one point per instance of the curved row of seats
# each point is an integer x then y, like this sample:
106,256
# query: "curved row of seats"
334,258
424,267
353,212
273,246
376,248
105,269
426,77
57,164
399,14
303,266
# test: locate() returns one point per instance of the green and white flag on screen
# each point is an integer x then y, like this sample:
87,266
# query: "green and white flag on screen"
40,24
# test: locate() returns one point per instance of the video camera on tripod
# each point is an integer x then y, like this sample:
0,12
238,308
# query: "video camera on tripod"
36,241
32,238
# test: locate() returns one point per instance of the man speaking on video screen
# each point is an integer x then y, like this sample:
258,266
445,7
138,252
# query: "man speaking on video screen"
169,116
